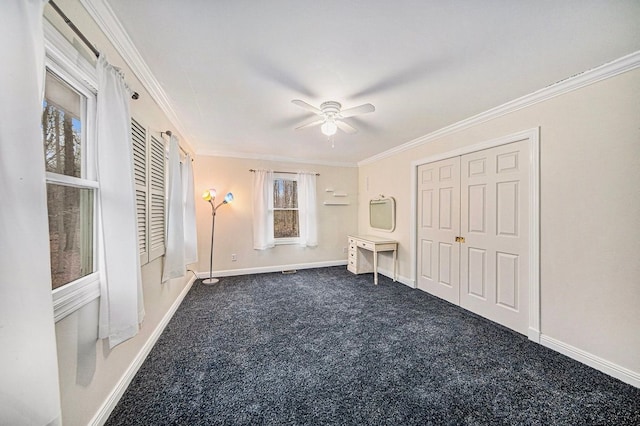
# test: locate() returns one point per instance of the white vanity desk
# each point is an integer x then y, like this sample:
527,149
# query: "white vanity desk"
359,264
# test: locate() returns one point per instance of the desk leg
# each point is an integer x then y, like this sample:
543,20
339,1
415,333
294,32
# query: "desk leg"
395,273
375,267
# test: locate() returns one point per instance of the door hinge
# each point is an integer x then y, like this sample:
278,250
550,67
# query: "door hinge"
459,239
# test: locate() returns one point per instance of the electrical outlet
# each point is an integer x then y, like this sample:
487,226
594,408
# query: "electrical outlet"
234,257
344,250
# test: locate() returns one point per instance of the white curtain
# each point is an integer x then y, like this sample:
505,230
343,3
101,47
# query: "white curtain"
29,391
174,257
263,210
307,209
190,231
121,305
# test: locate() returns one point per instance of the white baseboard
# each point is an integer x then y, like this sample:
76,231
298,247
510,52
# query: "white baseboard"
276,268
533,335
100,418
601,364
404,280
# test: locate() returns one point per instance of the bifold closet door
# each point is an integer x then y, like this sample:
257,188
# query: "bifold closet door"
473,235
494,222
438,226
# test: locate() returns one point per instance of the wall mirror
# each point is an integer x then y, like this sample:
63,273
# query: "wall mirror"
382,214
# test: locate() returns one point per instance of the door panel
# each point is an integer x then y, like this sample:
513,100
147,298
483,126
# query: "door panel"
439,205
444,269
478,204
507,208
445,214
494,218
426,256
477,273
507,282
427,209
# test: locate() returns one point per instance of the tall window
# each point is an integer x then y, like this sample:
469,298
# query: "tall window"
71,180
286,219
149,161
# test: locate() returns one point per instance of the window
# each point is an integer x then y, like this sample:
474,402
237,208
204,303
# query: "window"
286,209
71,183
286,220
68,138
149,173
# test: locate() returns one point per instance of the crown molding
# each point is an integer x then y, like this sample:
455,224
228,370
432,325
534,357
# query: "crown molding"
594,75
107,21
252,156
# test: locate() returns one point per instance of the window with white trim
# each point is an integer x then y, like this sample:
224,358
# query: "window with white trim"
149,161
69,146
286,219
69,149
71,180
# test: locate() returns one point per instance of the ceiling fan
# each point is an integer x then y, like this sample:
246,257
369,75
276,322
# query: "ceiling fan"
331,115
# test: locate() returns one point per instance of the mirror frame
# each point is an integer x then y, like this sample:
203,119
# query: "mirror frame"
382,214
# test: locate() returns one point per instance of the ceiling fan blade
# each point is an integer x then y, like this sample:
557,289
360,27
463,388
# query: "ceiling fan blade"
308,107
347,128
315,122
362,109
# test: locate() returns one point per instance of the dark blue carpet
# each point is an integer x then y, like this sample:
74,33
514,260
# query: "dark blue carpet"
326,347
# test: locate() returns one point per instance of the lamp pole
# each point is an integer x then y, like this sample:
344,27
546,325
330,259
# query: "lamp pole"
211,280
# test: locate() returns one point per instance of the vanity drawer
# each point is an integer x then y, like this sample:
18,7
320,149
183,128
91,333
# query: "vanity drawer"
365,245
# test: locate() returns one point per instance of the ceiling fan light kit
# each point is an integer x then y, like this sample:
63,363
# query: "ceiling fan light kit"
332,115
329,128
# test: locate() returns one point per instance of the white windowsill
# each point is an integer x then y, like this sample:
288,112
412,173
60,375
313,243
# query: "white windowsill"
286,241
73,296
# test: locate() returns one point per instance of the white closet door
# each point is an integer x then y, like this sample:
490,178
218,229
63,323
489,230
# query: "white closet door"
494,215
438,226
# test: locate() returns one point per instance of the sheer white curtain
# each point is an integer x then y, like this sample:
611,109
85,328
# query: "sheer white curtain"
29,392
121,305
190,231
307,209
174,257
263,210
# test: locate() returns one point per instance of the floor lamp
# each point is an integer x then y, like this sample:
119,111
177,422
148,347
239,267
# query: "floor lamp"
210,196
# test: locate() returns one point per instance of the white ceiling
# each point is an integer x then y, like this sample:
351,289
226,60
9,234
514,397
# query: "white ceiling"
230,68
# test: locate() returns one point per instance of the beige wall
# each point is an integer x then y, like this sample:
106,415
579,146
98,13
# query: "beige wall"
590,211
88,370
234,232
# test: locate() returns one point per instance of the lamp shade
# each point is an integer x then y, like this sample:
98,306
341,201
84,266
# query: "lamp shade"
209,194
228,198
